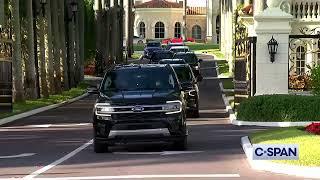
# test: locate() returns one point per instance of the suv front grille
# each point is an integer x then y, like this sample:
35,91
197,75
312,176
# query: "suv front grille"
138,116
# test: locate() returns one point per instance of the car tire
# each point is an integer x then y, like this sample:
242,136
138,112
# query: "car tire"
181,145
195,113
100,147
140,42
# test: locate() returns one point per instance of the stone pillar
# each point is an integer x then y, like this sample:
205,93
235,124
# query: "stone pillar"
209,20
258,6
272,78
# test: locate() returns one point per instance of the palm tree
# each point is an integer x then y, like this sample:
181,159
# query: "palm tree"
2,14
62,30
17,63
42,58
81,38
30,70
49,51
56,45
71,52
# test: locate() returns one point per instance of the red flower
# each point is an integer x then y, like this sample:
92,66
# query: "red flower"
313,128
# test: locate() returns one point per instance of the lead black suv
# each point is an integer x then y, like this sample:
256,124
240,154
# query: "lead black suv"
139,103
190,87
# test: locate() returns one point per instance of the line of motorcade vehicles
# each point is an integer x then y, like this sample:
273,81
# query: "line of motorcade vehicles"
148,103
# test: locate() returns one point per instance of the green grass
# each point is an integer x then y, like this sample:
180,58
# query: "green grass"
227,83
223,68
309,146
53,99
215,52
137,47
136,56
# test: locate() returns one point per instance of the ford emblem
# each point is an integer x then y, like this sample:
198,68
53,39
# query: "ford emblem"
137,109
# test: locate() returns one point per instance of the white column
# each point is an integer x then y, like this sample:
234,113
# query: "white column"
209,20
272,78
214,29
258,6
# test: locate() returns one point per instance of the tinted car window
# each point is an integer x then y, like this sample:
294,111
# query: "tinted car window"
184,74
189,58
139,79
153,44
162,55
172,61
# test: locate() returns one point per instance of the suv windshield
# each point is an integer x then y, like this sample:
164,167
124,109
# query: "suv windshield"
153,44
189,58
184,74
139,79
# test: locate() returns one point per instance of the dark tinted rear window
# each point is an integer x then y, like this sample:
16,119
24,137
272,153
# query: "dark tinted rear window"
153,44
184,74
162,55
189,58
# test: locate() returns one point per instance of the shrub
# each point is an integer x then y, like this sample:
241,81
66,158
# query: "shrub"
282,108
315,80
313,128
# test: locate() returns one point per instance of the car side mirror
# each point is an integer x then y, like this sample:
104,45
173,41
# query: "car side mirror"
200,60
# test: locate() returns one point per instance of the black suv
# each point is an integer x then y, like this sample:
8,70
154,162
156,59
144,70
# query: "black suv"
190,87
158,55
192,59
140,103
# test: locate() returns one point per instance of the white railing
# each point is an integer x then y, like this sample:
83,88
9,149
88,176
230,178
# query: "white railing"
306,10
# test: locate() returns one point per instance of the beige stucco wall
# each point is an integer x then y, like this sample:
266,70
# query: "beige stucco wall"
150,16
200,20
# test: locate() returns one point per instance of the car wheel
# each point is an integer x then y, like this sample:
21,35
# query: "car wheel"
140,42
181,145
195,113
100,147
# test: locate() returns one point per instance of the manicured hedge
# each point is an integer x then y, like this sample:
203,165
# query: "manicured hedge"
282,108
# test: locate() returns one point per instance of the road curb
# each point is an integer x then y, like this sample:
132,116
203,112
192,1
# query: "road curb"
39,110
262,165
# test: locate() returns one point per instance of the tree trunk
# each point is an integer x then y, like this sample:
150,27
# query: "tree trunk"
81,28
120,33
18,90
30,72
2,14
49,45
77,48
71,54
99,26
42,58
62,32
56,47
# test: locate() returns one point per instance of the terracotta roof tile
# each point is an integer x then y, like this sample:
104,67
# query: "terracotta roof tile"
159,4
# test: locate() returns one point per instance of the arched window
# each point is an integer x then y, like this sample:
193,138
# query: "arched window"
196,32
301,60
177,30
159,30
142,30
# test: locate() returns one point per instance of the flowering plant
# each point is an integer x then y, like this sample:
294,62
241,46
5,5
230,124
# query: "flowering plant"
313,128
299,81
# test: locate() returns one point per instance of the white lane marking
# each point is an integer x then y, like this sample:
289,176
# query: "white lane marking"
48,125
59,161
19,137
17,156
163,153
147,176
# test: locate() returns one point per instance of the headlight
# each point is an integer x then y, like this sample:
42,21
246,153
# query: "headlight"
173,107
103,109
192,93
196,67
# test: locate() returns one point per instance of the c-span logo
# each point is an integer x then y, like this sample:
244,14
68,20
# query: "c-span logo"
275,152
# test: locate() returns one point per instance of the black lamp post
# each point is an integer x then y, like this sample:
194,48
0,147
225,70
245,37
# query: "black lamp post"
273,48
43,7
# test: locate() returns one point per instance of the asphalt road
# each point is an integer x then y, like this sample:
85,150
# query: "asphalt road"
57,144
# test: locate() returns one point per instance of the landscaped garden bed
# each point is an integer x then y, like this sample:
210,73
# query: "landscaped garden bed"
52,99
309,143
280,108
